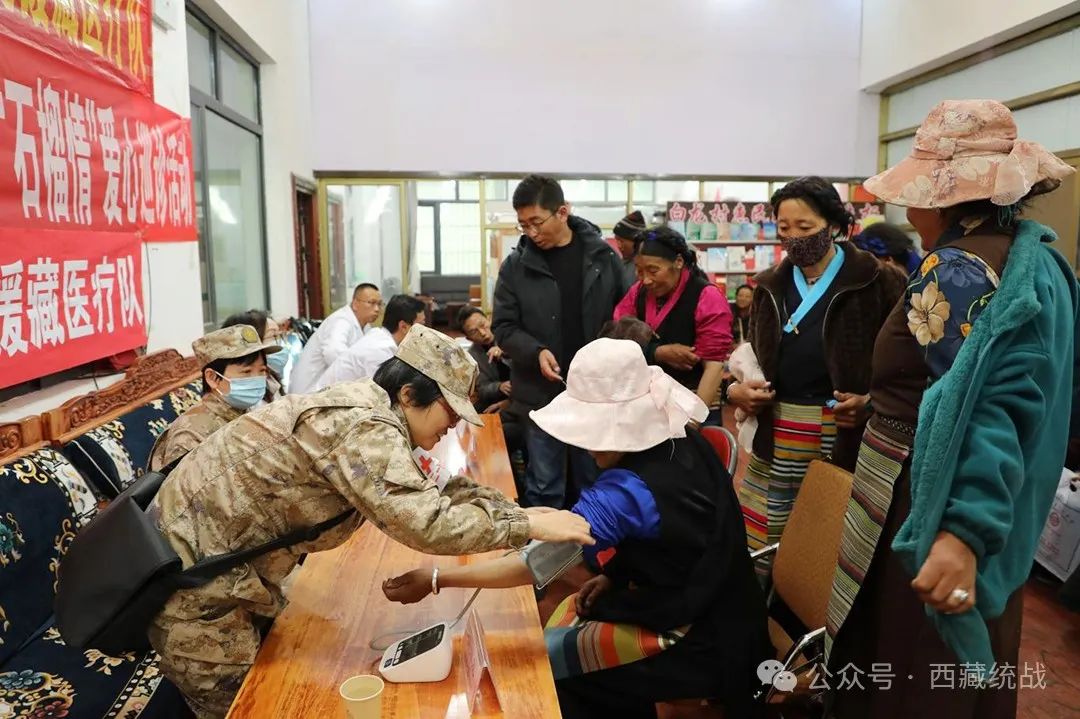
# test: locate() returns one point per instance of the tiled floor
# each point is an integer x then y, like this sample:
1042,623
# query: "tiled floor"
1051,638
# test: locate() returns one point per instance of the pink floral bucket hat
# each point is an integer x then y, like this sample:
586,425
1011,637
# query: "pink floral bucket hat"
615,402
967,150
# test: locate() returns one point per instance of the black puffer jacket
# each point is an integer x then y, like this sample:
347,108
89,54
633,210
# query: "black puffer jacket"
527,306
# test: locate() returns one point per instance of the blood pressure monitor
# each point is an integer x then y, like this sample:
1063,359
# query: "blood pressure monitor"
427,655
422,657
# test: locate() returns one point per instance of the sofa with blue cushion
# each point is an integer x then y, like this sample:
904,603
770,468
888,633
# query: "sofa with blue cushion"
108,434
44,501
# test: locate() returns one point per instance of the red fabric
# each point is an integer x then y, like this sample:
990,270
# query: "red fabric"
67,298
83,152
712,317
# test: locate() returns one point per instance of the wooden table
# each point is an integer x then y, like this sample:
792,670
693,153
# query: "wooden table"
336,607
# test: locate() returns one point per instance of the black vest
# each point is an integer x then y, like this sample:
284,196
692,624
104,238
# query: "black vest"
698,566
680,327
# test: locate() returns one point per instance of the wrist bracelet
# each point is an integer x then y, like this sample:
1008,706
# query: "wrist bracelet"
435,580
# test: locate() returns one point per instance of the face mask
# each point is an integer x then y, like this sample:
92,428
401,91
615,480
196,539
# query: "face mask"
805,251
244,392
278,360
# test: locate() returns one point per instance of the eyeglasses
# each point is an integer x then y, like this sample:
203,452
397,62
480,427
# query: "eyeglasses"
372,303
530,227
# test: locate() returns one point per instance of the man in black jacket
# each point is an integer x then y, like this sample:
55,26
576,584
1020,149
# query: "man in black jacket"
554,293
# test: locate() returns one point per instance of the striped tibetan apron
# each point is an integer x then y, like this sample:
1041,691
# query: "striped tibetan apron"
885,447
801,434
577,646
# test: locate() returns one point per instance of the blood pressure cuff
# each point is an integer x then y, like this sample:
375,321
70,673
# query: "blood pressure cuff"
548,560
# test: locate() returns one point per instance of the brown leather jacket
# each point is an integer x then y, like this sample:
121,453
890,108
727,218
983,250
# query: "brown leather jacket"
866,294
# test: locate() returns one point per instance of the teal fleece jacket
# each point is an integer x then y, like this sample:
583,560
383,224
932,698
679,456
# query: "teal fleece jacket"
992,434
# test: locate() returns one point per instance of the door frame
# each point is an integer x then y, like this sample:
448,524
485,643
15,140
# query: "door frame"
312,298
324,234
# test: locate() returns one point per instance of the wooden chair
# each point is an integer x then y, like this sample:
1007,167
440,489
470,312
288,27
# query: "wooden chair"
20,437
804,563
723,441
151,376
108,434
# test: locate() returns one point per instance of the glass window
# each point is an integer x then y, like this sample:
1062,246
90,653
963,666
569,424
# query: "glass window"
744,191
239,86
425,237
644,190
436,190
495,190
671,190
198,150
603,215
584,190
234,193
200,56
616,190
365,239
459,238
468,189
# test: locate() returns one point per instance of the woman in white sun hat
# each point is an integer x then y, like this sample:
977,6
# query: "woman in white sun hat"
972,391
677,613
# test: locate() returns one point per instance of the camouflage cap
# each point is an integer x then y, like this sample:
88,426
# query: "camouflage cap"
441,359
230,343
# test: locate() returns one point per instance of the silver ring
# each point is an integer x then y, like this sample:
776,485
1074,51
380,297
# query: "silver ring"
959,595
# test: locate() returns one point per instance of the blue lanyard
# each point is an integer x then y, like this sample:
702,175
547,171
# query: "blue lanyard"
811,295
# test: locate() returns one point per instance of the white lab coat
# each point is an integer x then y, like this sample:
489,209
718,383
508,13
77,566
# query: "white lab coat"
361,360
335,335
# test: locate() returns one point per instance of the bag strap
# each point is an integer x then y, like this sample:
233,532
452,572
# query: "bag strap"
202,572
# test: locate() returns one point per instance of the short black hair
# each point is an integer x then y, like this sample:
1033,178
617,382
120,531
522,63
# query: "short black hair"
393,375
401,308
822,198
219,366
539,190
740,288
897,243
255,318
466,312
363,286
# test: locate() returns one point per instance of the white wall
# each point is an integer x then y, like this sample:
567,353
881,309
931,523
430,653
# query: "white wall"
275,32
757,87
902,38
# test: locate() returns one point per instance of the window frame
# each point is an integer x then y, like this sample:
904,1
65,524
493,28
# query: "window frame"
201,103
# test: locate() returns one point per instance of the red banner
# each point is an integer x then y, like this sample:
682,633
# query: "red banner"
113,36
67,298
80,152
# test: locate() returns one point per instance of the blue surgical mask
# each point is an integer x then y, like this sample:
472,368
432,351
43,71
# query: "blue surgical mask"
245,392
278,360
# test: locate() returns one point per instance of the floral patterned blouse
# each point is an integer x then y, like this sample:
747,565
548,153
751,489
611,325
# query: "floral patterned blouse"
944,298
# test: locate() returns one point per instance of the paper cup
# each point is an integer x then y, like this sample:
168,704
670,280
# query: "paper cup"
362,695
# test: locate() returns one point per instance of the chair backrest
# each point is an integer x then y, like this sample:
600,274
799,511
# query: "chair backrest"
723,441
805,563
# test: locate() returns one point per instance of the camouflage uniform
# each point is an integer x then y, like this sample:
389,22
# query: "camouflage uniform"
212,413
291,464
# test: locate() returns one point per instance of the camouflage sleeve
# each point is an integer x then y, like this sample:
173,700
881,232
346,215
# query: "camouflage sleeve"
173,444
373,468
461,489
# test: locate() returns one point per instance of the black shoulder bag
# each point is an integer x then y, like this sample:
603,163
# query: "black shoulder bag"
119,571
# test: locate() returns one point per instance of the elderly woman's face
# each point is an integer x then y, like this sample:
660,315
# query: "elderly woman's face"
930,224
606,460
658,276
